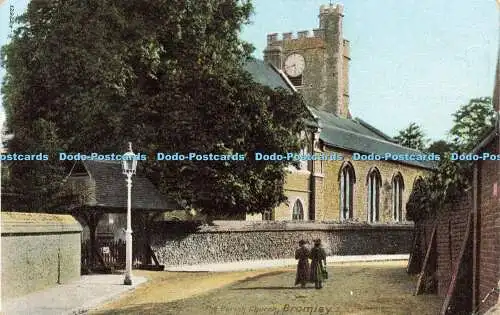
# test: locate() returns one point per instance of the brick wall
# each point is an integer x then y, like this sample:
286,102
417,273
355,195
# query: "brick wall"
452,226
451,231
488,229
450,234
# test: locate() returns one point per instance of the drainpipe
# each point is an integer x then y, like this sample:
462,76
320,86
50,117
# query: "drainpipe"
311,215
313,187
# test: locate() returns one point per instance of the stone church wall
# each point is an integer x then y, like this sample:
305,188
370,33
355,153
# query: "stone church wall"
387,170
186,244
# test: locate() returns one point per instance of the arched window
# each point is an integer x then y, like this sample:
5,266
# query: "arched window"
398,187
347,179
374,182
298,211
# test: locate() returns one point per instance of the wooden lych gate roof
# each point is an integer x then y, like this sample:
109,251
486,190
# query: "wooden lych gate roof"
107,189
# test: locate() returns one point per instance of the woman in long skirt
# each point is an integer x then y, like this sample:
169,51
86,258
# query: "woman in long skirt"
318,257
302,254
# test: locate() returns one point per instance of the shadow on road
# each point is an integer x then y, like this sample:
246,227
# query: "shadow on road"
267,274
272,288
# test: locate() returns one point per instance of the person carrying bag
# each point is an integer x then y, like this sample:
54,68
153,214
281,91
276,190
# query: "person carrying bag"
318,269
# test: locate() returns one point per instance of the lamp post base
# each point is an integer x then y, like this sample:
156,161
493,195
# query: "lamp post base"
127,281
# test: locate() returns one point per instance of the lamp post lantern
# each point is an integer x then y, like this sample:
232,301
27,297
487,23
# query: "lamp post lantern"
129,164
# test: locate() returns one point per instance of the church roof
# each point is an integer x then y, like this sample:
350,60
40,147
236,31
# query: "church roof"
358,136
353,135
263,73
266,74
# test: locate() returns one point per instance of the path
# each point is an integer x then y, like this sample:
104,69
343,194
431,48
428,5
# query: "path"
258,264
354,288
73,298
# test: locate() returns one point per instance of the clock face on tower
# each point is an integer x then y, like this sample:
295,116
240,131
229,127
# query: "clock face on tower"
294,65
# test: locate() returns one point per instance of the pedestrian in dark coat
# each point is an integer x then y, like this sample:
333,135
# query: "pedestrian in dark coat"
302,254
318,264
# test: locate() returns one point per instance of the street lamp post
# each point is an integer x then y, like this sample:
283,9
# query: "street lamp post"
129,163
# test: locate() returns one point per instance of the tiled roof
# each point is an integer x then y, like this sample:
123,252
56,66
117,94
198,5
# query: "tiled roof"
358,136
348,134
263,73
111,188
266,74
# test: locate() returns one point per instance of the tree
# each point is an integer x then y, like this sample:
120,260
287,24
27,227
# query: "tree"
452,178
166,75
440,147
471,122
412,137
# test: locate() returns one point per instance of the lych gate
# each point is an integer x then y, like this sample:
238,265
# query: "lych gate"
101,190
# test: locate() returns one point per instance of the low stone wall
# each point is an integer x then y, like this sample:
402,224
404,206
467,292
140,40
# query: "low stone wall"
37,251
186,244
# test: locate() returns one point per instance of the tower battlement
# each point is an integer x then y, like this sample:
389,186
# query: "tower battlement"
331,8
324,76
276,37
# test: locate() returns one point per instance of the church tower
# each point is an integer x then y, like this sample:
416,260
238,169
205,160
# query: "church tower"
317,65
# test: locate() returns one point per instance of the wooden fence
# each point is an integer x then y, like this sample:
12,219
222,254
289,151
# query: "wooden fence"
112,254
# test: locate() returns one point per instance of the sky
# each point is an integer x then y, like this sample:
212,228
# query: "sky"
411,61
